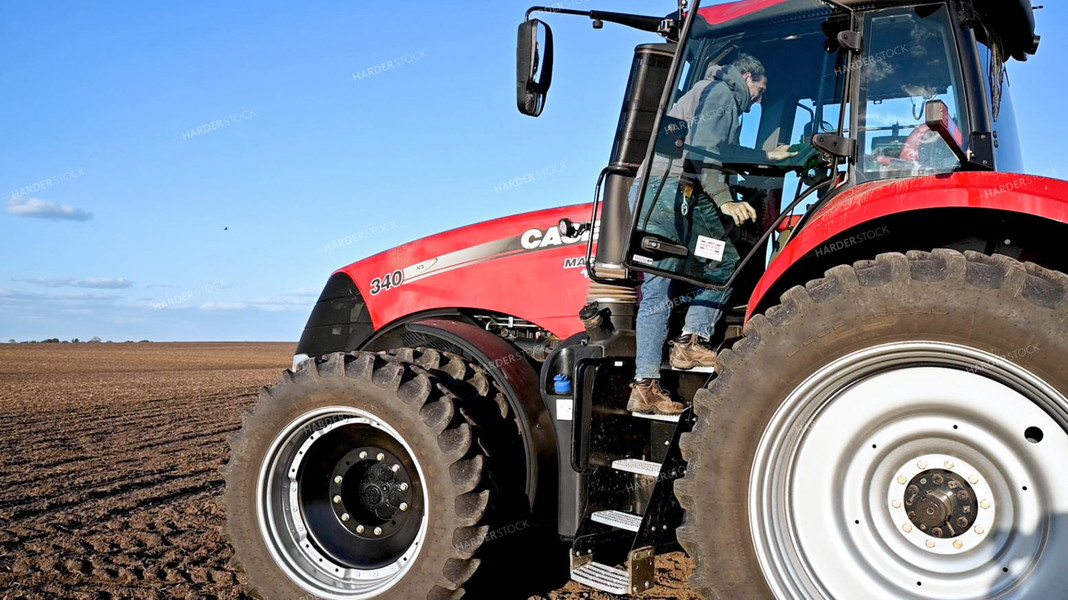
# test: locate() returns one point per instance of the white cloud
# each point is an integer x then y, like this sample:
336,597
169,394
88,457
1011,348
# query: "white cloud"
40,209
106,283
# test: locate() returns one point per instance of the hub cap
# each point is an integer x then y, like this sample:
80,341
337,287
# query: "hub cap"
914,470
342,504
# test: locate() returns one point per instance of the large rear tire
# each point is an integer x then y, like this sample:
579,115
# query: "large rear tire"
362,476
895,430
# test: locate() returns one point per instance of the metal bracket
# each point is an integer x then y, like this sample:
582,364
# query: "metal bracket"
981,150
851,40
579,560
834,145
641,566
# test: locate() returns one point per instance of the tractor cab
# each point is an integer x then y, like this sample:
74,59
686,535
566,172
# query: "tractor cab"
774,112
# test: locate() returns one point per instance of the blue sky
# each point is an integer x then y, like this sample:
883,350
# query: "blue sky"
151,229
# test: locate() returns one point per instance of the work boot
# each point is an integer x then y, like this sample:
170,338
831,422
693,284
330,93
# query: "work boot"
688,352
646,396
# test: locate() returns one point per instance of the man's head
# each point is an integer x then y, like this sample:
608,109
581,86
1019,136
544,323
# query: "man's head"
752,71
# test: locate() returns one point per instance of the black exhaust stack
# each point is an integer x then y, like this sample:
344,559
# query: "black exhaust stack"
648,76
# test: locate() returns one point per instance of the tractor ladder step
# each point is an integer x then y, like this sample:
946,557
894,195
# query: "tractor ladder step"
604,578
637,466
637,577
618,519
668,367
652,417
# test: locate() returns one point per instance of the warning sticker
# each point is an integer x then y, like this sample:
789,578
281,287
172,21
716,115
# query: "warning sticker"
710,248
643,260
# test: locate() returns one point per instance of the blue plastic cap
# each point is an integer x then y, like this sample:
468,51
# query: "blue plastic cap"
562,384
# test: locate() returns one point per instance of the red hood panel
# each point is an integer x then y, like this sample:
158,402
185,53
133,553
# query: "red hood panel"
518,265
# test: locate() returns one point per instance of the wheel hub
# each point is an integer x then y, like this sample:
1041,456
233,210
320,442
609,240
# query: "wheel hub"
941,503
945,510
371,492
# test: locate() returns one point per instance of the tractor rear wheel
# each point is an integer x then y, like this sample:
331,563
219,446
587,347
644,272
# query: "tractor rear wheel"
362,476
896,429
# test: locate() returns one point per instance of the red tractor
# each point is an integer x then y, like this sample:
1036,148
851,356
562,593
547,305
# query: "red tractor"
887,415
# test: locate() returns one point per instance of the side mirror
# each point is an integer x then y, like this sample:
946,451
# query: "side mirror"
534,66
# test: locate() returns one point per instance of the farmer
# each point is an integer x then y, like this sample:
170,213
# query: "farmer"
694,210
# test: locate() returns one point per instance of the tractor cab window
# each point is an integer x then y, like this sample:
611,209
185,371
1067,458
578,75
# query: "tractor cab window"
732,138
909,59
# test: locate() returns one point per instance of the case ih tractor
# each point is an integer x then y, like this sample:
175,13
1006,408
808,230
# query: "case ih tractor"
887,417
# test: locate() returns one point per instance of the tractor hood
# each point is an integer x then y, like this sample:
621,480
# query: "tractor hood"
519,266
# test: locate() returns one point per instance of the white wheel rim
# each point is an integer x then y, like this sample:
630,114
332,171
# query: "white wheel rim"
282,522
821,497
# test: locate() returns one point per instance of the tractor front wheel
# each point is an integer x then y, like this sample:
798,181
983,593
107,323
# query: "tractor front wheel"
359,476
894,430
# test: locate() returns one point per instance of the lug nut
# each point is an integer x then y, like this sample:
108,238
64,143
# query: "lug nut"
922,464
896,504
404,486
381,457
395,468
359,529
985,504
958,544
974,479
378,531
363,454
345,517
949,464
901,479
403,506
907,528
979,530
337,499
337,479
930,543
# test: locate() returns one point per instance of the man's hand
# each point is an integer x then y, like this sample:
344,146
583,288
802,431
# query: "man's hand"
781,153
740,212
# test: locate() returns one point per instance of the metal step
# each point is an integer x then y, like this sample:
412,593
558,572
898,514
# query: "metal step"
668,367
618,519
652,417
638,466
602,577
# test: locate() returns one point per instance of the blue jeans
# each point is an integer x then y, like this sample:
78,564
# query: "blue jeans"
654,312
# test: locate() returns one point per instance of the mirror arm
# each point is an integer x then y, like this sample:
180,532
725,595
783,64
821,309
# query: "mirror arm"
641,22
979,154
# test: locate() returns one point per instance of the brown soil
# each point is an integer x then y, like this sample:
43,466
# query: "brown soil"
109,483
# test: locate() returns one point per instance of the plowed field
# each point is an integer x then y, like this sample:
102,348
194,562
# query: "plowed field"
109,482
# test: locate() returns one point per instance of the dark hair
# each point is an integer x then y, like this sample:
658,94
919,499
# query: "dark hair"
748,64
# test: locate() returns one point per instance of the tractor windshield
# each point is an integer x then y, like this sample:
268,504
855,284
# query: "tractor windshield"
734,149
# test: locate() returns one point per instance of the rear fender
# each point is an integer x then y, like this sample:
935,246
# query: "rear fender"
1023,216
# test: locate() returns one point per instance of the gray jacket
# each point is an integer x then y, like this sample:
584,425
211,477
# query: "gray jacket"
717,127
